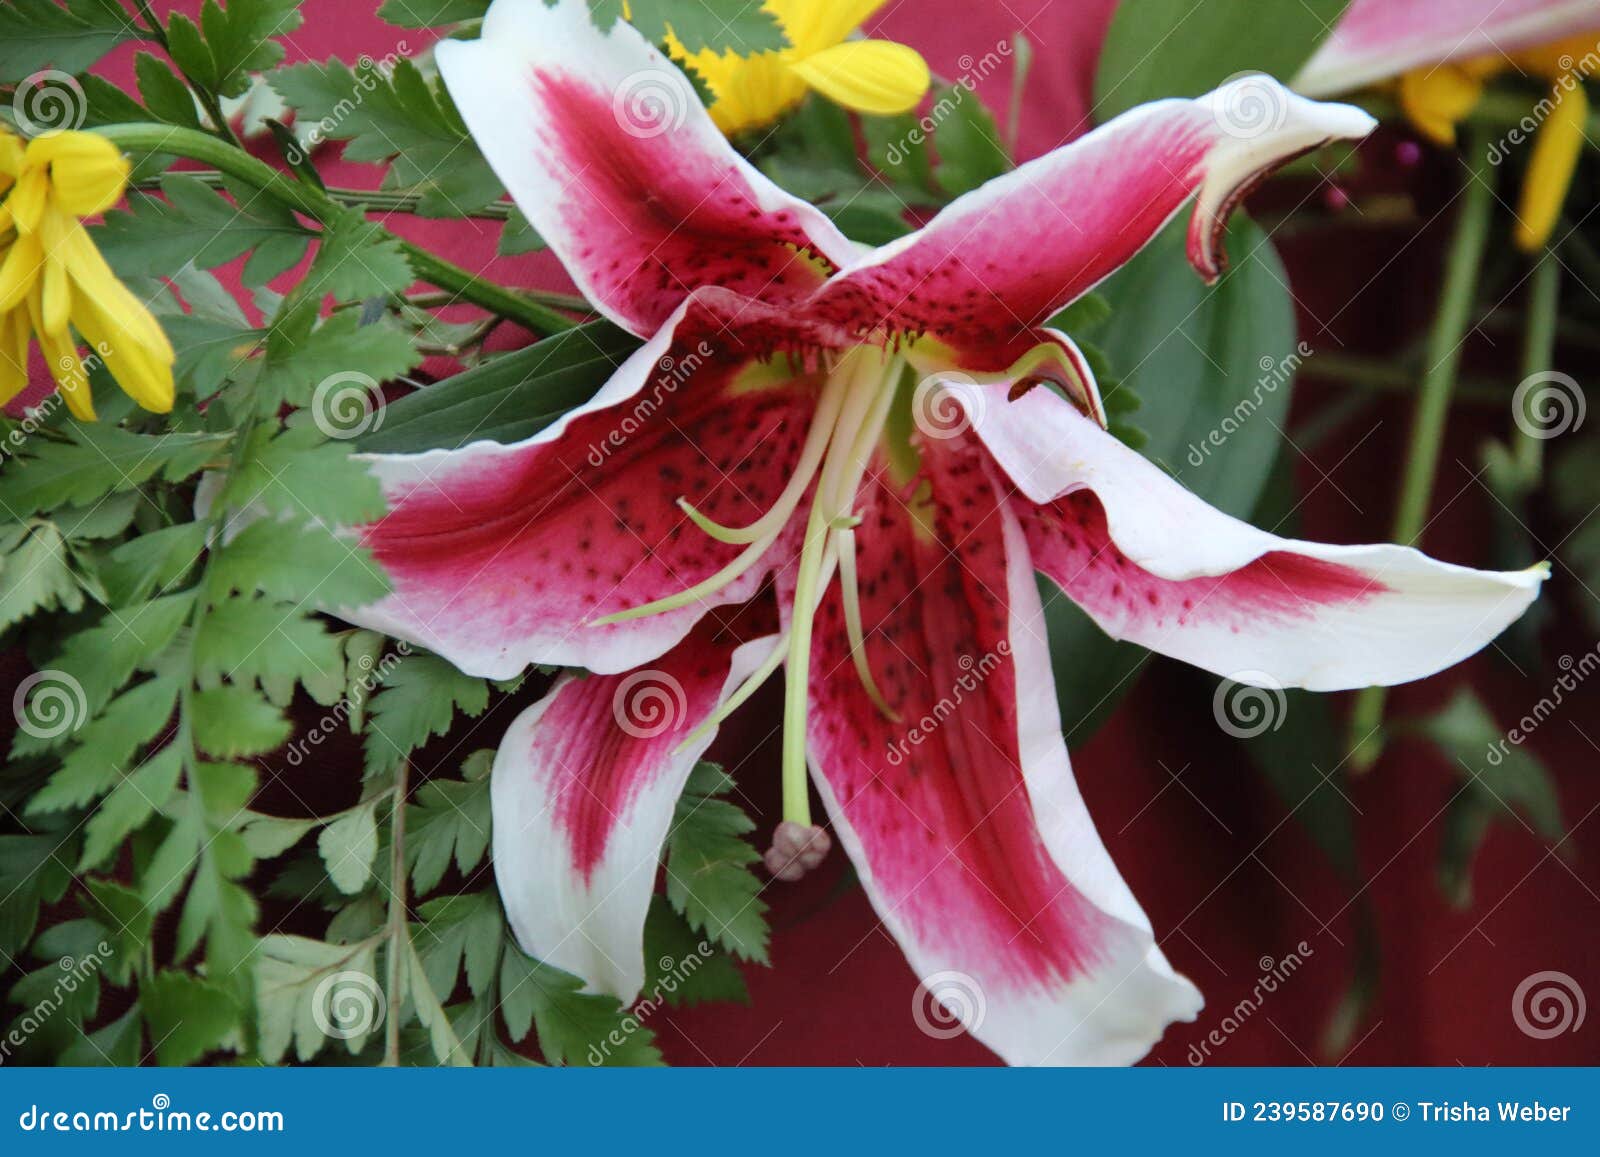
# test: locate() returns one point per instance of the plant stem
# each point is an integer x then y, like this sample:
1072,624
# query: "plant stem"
313,202
1538,351
1448,335
397,915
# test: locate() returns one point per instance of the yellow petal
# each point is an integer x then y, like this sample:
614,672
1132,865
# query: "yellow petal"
11,150
13,354
87,173
812,25
1556,149
61,354
92,279
28,199
22,265
870,76
746,91
143,372
56,291
1434,99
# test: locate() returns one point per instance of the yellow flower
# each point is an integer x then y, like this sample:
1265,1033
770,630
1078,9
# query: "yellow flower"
53,280
870,76
1436,99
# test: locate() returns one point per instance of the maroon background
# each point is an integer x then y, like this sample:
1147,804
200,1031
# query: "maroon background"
1226,877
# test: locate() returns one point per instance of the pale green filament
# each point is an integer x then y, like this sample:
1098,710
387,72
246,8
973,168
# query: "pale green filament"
731,573
817,439
851,596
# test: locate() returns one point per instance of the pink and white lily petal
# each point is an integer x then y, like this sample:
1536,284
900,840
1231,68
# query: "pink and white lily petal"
1000,260
1153,563
584,787
504,555
604,145
962,817
1378,39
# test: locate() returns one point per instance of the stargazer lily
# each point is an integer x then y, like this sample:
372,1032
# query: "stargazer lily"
1439,53
890,444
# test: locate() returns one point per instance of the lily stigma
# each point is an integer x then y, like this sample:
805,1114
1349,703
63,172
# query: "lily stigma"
873,455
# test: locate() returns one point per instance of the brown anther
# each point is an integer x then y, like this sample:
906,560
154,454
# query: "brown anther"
796,850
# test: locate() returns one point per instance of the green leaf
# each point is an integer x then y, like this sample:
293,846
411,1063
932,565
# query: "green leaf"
303,987
574,1028
418,701
231,42
196,223
338,352
507,399
403,117
299,473
448,820
1216,366
970,151
441,1035
166,97
106,745
734,25
258,639
117,1044
139,796
357,259
37,576
684,970
298,562
460,929
153,561
127,920
188,1017
34,870
348,846
519,236
96,459
1160,48
233,720
1503,782
431,13
101,659
39,34
709,880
